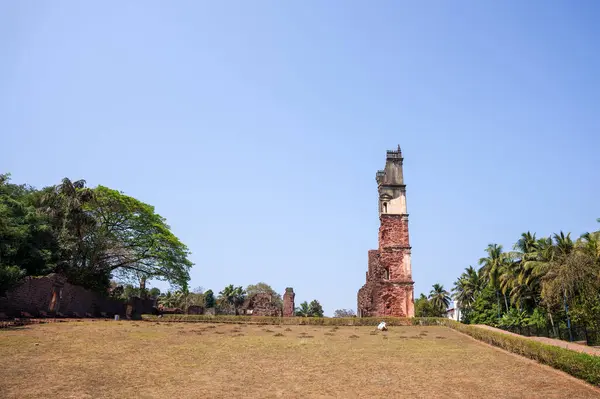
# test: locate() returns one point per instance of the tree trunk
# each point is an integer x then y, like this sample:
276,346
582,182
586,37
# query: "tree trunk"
498,302
567,314
552,322
143,287
506,302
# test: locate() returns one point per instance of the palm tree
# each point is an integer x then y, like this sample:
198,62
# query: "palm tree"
439,297
492,267
467,287
233,296
590,243
65,204
304,310
516,277
564,244
172,299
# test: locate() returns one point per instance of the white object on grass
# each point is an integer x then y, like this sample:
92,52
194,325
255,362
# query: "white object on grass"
381,326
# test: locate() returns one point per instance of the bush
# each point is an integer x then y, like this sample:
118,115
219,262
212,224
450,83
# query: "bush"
313,321
580,365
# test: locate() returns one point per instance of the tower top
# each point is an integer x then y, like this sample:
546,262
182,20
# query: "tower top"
394,154
390,185
392,174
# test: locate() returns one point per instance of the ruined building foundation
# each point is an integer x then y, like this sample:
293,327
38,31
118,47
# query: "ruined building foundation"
389,290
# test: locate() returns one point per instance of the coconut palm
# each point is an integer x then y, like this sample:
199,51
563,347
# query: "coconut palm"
590,243
172,299
233,296
65,204
516,276
492,267
303,310
439,297
467,287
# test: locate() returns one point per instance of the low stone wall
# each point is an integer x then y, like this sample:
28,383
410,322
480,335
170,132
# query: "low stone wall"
52,294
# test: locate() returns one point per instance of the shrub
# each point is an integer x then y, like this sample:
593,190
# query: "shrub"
580,365
312,321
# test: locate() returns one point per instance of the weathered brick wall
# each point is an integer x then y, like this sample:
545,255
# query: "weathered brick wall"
388,290
394,261
263,305
34,295
373,262
393,231
288,302
365,300
378,298
195,309
260,304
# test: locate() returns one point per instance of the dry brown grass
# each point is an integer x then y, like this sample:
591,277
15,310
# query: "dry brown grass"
108,359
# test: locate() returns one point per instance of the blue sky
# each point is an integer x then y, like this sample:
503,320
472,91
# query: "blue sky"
256,128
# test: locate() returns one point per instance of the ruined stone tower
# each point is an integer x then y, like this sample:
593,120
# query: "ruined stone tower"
288,302
389,287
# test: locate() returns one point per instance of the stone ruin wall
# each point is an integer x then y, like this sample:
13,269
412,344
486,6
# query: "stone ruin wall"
262,305
288,302
385,297
34,295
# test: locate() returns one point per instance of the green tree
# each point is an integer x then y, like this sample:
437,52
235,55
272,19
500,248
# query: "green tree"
315,309
344,313
439,298
131,238
9,276
491,268
88,235
65,205
232,296
467,287
209,299
27,245
484,309
173,299
303,310
424,308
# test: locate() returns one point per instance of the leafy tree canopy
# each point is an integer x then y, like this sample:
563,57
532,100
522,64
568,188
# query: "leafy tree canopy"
89,235
264,288
344,313
314,309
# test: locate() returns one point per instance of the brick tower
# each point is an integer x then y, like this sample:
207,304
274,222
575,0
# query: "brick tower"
288,302
389,288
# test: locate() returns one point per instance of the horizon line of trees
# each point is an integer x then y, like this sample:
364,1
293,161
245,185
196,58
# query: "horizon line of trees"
549,281
231,299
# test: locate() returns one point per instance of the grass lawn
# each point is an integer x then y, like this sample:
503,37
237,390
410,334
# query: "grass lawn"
109,359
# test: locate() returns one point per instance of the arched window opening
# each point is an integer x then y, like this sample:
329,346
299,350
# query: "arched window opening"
385,207
386,274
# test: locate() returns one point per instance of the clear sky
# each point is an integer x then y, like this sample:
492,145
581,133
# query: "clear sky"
256,127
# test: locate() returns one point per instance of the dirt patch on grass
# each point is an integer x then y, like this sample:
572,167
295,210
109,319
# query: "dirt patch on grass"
108,360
